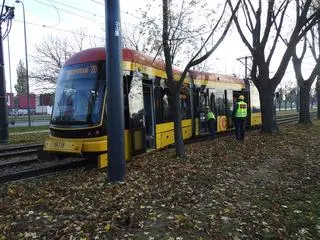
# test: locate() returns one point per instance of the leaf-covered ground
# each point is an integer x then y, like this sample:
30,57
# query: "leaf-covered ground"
266,188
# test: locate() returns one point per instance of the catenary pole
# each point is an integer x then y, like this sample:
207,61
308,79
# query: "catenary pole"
115,112
4,135
26,57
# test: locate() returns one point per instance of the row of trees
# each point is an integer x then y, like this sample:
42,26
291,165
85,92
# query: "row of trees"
267,29
287,96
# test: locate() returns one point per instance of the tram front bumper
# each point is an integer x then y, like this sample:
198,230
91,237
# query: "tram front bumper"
63,146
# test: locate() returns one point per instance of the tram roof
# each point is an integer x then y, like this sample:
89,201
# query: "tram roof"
215,77
99,54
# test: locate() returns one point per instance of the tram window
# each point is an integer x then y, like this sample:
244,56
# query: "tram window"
185,106
203,99
255,102
126,82
167,105
220,102
163,104
135,100
196,101
157,81
229,102
213,103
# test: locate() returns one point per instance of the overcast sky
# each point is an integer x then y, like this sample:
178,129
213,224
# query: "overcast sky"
62,17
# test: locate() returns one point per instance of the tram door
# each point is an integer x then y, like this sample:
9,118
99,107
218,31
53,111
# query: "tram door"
137,118
149,115
203,104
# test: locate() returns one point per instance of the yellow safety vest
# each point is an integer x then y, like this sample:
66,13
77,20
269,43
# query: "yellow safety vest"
210,115
241,111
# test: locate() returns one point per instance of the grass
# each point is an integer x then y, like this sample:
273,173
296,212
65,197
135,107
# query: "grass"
35,137
27,129
22,134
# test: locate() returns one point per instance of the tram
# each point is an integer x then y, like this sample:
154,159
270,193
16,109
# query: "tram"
78,123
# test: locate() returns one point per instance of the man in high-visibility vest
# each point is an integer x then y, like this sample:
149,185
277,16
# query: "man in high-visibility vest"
211,120
240,113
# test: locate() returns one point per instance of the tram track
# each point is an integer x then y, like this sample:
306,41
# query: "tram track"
293,118
20,161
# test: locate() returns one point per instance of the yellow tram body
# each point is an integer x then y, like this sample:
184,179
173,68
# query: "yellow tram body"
89,139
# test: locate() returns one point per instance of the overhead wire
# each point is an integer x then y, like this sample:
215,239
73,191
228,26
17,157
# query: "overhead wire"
70,12
56,29
100,3
79,9
50,1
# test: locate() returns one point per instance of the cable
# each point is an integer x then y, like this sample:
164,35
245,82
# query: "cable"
56,29
69,12
97,2
73,7
56,11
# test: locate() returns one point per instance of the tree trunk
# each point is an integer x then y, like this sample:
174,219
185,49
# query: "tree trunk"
304,114
268,109
298,102
318,95
179,144
318,100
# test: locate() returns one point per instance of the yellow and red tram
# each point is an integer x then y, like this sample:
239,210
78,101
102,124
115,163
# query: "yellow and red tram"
78,122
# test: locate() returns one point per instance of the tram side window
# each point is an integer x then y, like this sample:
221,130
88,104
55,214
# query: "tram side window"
213,105
196,101
185,106
255,102
163,103
220,102
203,99
167,105
135,101
230,102
126,84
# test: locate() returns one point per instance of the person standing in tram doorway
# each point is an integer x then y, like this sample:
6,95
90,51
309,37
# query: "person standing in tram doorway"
239,116
211,120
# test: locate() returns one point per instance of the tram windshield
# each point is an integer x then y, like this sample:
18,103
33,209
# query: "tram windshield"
79,95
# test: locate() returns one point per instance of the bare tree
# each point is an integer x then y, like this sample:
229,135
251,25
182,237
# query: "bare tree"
306,83
49,57
315,6
279,97
173,37
289,94
145,36
51,54
264,36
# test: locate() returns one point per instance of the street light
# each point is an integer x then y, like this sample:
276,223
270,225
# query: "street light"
26,53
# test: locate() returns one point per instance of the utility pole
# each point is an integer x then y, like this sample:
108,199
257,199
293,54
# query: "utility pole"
4,135
245,58
115,108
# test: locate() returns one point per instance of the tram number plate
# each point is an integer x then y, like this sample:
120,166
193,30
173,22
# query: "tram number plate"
55,145
58,144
